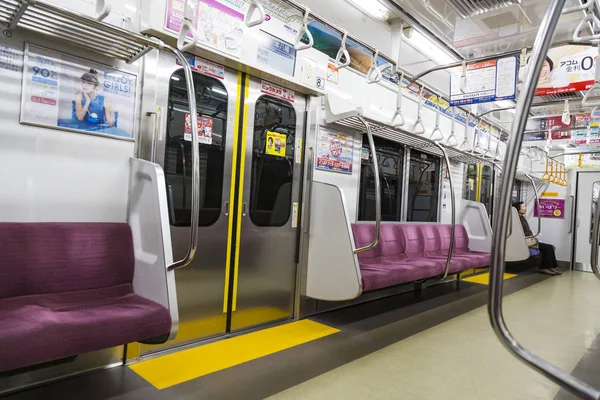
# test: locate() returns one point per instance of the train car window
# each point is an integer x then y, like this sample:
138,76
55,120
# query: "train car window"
516,192
423,189
389,157
272,162
487,188
211,106
470,189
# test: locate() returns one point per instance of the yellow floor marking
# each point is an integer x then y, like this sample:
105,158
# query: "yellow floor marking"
484,279
172,369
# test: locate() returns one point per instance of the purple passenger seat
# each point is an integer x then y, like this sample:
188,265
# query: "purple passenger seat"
66,289
412,252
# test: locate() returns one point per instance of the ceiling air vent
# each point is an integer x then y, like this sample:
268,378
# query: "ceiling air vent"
500,20
469,8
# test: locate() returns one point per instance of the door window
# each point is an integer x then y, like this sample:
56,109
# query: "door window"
389,157
273,154
487,187
211,107
423,189
595,198
470,189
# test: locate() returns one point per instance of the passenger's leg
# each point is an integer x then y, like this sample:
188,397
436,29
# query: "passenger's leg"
548,259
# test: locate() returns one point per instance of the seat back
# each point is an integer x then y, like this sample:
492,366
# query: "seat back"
42,258
363,236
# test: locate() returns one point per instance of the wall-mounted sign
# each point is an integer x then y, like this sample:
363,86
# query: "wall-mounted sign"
278,91
276,53
276,144
205,129
485,81
567,69
205,67
334,152
550,208
71,93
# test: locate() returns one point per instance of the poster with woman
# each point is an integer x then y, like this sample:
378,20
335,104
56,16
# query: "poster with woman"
67,92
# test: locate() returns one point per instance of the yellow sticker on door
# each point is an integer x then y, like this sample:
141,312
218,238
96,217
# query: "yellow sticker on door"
276,143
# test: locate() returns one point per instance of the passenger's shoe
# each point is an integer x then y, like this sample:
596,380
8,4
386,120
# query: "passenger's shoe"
547,271
556,271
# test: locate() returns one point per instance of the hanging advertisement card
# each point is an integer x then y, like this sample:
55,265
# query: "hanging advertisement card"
486,81
205,129
567,69
62,91
276,144
277,91
556,122
587,136
550,208
334,152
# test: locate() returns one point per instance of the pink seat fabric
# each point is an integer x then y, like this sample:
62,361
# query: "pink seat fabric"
412,252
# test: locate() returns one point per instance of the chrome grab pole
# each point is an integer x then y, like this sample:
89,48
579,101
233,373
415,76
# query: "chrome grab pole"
453,220
189,81
595,238
537,202
375,167
540,49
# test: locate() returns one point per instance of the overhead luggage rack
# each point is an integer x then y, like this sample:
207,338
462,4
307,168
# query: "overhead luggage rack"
418,142
42,17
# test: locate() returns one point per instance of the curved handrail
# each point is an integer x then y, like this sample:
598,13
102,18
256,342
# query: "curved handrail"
452,141
374,70
540,49
343,52
298,45
419,121
453,219
254,5
195,211
398,112
595,239
375,167
437,134
537,205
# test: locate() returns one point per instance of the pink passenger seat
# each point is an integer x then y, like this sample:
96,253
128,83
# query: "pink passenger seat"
66,289
412,252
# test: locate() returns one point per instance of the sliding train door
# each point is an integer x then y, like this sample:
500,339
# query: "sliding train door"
588,192
244,271
265,271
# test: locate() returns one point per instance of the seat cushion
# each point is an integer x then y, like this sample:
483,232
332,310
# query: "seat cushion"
378,276
42,328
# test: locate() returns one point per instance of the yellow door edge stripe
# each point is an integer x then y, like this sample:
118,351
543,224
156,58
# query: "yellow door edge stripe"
172,369
479,182
241,195
236,128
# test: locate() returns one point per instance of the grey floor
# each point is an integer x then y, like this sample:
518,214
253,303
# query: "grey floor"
434,344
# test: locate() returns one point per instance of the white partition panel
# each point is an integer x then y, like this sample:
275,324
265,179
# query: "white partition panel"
149,221
516,247
477,223
333,272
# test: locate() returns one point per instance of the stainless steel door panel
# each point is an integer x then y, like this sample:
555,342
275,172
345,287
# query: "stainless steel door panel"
267,262
200,286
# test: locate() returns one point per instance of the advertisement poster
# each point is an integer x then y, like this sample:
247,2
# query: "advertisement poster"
67,92
550,208
567,69
277,91
334,152
276,144
592,134
203,66
549,123
205,129
485,82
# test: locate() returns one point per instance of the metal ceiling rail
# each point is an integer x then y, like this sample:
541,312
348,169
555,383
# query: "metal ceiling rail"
421,143
494,110
52,20
557,129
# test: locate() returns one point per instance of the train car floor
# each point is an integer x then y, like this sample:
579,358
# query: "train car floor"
432,344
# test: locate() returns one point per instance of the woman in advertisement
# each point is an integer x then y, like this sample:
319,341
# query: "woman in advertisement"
552,78
90,107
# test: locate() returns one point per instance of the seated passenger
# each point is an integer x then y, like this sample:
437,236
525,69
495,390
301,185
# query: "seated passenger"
548,265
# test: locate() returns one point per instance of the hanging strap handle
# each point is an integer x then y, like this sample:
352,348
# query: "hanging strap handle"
398,113
465,146
304,30
419,121
590,18
523,65
343,52
589,100
566,115
583,6
436,134
102,9
374,74
463,77
254,6
476,138
188,27
452,141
